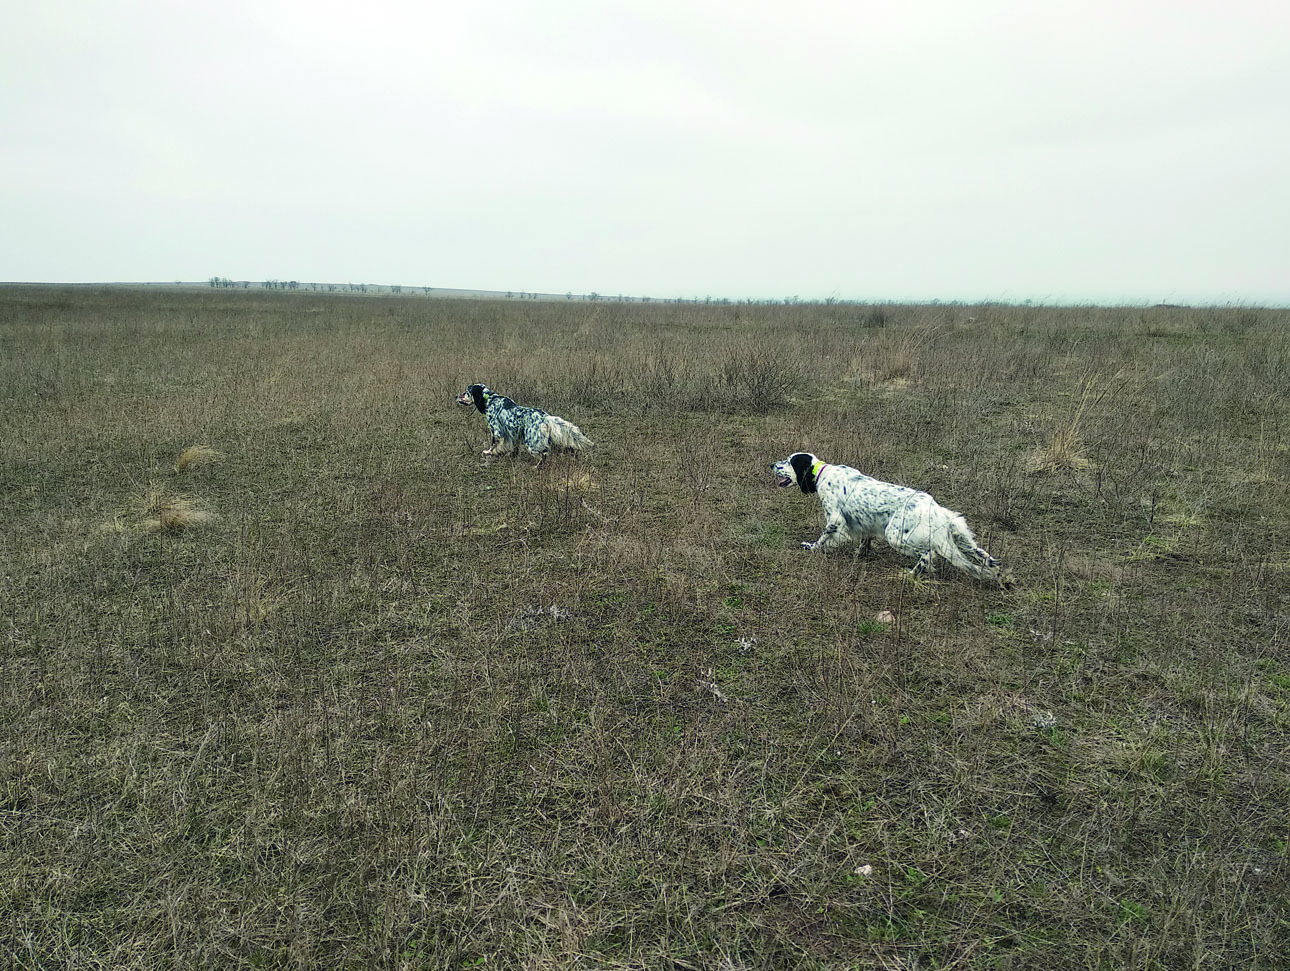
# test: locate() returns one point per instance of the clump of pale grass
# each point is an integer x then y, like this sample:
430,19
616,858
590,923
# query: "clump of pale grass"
1066,450
897,361
194,456
115,525
170,512
573,480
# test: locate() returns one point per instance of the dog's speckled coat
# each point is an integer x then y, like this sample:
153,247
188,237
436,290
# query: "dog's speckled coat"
860,509
513,425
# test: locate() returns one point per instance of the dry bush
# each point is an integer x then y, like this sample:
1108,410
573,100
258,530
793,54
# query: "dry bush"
756,380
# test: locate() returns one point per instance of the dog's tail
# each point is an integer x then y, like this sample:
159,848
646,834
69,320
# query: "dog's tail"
956,544
565,434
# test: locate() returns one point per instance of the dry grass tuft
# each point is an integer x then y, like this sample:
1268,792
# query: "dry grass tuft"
170,512
1065,452
194,456
574,480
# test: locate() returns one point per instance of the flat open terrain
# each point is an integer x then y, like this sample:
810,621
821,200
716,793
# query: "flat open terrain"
335,691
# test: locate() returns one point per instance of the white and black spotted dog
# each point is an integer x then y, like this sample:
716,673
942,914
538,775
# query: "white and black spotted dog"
513,425
860,509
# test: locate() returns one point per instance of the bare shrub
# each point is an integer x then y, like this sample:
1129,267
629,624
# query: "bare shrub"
754,378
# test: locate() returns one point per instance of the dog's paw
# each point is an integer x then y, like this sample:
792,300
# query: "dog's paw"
809,546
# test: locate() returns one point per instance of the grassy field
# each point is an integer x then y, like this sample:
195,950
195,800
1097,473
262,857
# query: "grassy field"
334,691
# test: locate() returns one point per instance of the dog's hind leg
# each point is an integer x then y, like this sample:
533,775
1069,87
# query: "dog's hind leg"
537,441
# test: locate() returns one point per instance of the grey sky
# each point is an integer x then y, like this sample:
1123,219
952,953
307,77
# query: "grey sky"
1105,150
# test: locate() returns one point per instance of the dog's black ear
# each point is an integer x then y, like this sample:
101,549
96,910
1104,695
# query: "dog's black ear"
801,463
477,392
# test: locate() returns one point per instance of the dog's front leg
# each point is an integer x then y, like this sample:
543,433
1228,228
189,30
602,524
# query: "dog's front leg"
831,538
926,565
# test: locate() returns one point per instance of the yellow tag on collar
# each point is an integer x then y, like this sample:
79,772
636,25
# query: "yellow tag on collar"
816,467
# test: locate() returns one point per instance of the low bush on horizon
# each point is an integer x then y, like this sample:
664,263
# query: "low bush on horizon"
294,677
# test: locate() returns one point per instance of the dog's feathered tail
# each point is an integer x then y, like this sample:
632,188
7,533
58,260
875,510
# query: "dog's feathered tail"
957,545
565,434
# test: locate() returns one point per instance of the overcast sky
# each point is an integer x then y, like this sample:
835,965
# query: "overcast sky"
1091,151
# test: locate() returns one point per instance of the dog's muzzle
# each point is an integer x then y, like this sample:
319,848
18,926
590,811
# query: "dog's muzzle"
463,399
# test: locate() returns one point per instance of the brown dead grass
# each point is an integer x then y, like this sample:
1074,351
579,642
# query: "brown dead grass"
194,456
403,708
167,511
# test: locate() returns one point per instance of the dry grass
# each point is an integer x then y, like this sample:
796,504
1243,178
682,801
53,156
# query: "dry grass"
1066,450
399,706
162,510
194,456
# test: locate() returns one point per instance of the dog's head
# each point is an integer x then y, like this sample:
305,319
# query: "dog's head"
800,468
475,394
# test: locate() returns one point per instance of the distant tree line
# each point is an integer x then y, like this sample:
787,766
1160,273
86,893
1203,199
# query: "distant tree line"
225,282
